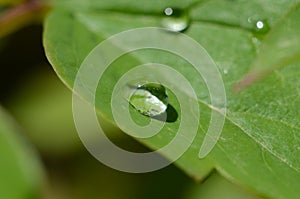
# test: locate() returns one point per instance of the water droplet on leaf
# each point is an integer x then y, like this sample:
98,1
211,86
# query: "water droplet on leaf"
175,20
150,99
261,26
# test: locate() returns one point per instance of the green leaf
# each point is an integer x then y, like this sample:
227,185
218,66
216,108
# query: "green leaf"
20,169
259,146
79,31
279,48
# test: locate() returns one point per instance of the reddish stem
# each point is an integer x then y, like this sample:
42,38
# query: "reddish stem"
30,6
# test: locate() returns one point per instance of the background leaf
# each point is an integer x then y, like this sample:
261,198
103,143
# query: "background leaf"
20,169
259,146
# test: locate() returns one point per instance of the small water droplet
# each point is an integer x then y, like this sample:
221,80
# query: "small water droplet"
175,20
168,11
150,99
225,71
261,26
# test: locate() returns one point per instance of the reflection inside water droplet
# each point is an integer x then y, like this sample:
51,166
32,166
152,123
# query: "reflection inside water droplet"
175,20
150,99
168,11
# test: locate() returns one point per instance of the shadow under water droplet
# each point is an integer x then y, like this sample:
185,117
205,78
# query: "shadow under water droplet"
171,112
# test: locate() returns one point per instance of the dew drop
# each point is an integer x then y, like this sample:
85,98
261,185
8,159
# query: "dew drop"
175,20
150,99
168,11
261,26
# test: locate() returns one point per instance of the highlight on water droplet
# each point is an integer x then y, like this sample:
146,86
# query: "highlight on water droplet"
260,24
168,11
150,99
175,20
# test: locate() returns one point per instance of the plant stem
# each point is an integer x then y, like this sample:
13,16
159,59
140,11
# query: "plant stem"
22,15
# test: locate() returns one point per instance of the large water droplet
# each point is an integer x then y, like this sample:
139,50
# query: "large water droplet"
150,99
175,20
